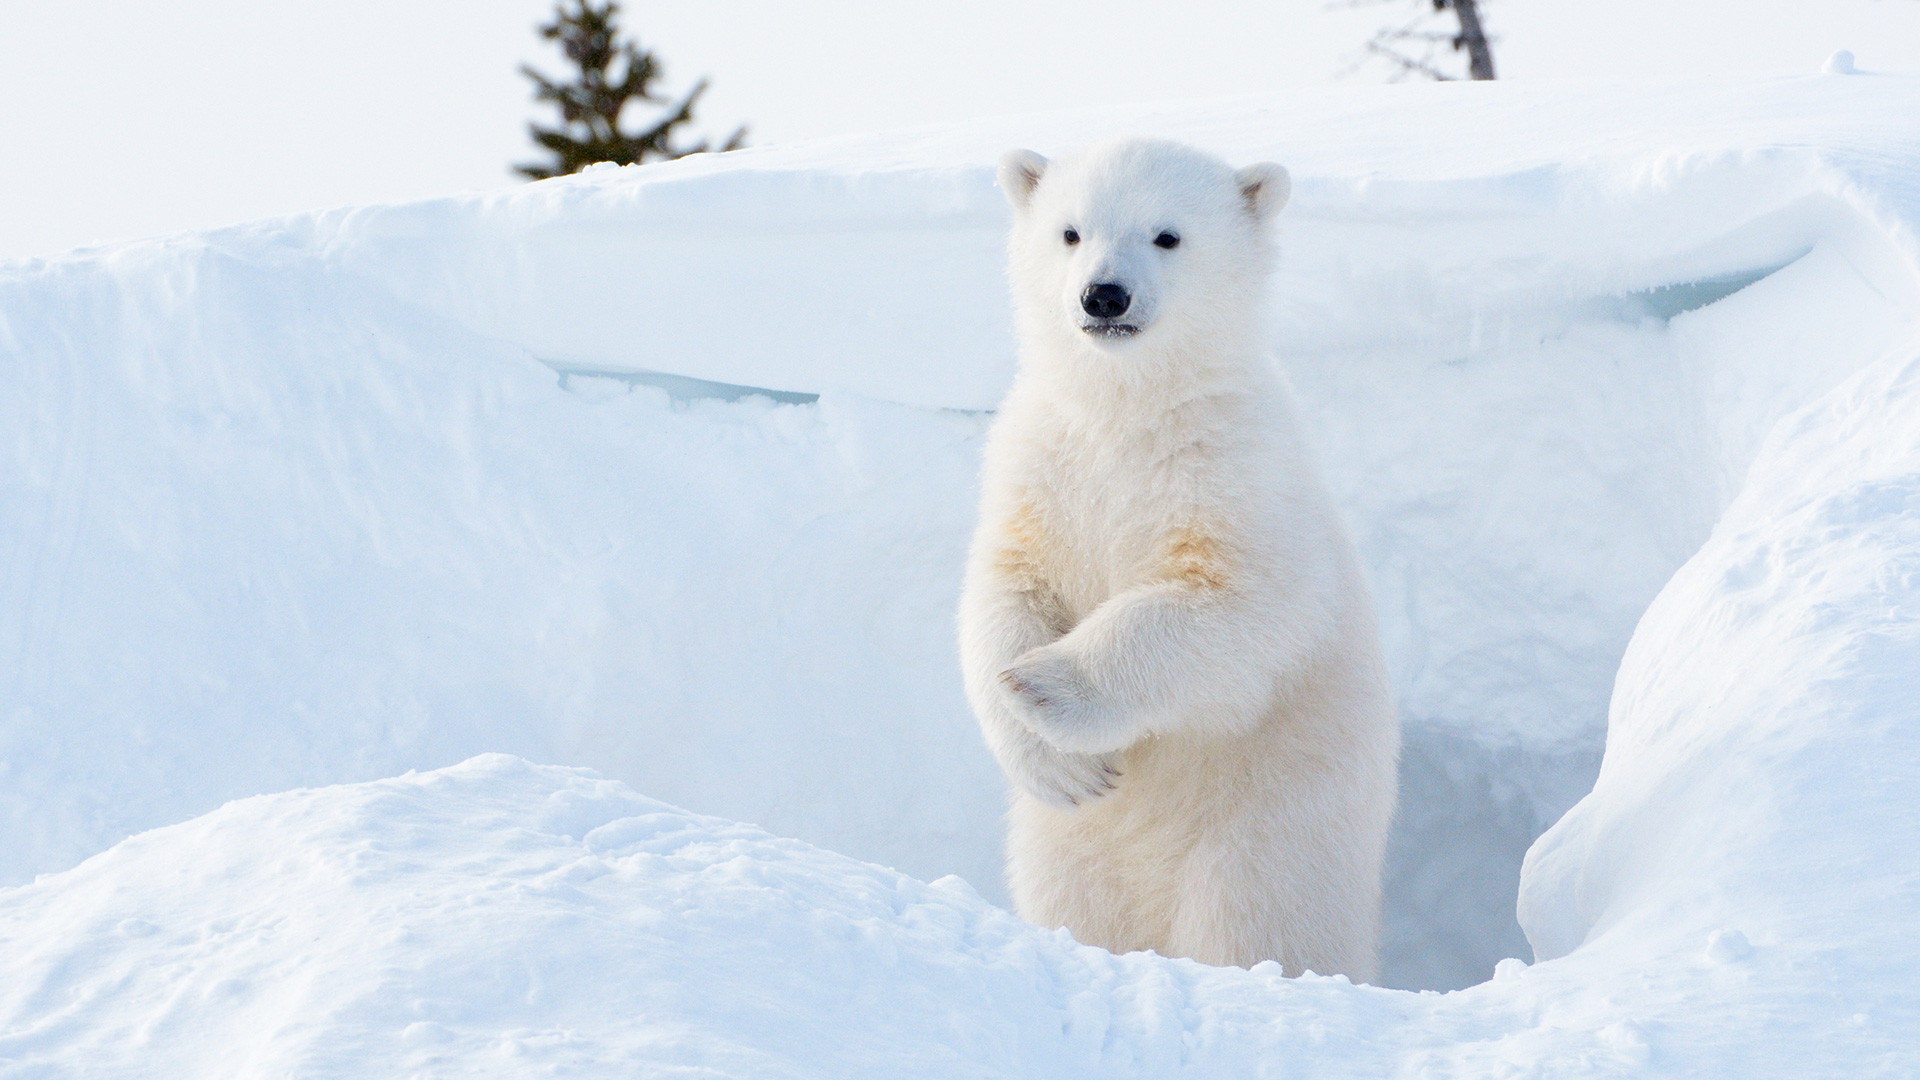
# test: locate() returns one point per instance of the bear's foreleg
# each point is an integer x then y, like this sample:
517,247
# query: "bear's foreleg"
1162,657
999,622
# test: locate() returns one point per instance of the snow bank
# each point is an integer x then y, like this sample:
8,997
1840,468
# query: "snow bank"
502,918
325,499
499,918
1763,760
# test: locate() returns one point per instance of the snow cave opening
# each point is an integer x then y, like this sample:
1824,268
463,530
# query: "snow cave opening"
1522,478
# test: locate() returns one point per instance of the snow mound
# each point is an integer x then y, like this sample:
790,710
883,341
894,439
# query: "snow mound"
501,918
1763,756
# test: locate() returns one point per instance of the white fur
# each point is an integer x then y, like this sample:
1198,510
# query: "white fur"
1164,630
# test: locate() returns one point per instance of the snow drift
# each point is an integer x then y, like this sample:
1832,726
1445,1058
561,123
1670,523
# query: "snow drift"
669,472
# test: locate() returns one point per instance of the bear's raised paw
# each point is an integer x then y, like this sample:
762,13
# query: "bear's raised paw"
1050,696
1059,778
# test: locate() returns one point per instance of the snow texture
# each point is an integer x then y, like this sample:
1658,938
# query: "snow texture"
669,471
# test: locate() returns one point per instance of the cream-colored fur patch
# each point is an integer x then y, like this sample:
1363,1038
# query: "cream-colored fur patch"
1195,557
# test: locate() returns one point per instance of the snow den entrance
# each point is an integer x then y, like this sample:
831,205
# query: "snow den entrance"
1526,461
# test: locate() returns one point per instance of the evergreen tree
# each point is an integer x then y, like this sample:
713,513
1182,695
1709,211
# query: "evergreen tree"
590,105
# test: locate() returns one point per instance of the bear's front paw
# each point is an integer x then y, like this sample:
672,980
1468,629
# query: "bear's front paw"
1052,699
1061,778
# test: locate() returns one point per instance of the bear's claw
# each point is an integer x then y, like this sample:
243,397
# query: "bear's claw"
1060,777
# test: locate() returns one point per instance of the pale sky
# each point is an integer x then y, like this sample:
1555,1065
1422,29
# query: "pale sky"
128,118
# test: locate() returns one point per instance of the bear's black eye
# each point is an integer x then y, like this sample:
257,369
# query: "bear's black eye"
1072,237
1166,240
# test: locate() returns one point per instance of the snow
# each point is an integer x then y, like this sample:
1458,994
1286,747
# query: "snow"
668,472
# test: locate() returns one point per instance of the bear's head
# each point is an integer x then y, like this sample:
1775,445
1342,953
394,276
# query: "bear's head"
1139,245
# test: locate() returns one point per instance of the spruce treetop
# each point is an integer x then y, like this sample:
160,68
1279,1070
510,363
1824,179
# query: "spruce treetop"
591,103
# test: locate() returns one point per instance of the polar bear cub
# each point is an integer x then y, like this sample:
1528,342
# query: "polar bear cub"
1164,629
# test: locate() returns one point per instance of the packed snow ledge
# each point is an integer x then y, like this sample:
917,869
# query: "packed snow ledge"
668,472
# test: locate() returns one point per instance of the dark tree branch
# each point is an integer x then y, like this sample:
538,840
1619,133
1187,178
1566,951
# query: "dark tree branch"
1473,37
1469,38
1407,64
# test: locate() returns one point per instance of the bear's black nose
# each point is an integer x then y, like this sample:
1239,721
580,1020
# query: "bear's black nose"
1105,300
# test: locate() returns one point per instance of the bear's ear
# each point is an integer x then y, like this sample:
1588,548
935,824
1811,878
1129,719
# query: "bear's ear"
1265,187
1020,172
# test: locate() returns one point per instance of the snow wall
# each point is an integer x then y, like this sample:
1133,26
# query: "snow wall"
669,472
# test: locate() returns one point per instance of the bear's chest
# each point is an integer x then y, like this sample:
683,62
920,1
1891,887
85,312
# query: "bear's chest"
1103,521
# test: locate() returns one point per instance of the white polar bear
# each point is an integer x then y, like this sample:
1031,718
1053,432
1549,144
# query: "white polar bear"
1164,629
